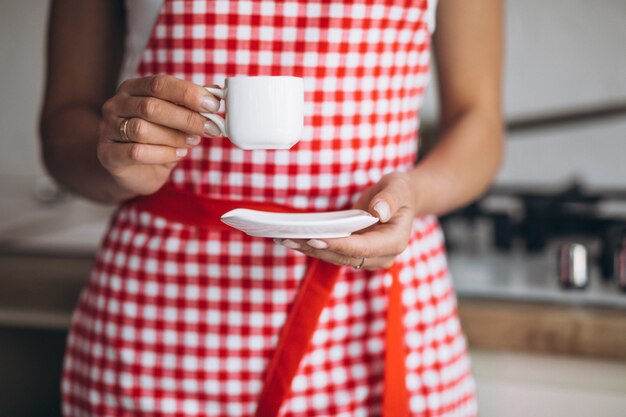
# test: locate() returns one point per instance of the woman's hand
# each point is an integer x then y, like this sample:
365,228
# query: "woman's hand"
393,201
163,122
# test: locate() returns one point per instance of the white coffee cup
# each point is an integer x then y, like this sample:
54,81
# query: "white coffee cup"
262,112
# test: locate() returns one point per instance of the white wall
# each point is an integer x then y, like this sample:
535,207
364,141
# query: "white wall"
566,54
22,37
593,153
561,54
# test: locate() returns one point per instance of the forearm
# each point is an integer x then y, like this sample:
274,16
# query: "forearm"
69,139
462,165
468,45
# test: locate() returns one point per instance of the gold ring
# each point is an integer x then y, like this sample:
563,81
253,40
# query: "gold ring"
123,132
360,265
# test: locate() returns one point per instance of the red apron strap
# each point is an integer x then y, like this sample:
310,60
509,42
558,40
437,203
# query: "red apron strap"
313,295
301,323
295,336
395,396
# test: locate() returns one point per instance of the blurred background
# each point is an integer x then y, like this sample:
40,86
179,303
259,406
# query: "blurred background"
539,262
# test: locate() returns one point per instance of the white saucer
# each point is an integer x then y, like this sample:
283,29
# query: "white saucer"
327,225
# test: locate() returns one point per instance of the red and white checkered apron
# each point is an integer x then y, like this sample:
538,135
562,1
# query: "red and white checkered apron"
182,321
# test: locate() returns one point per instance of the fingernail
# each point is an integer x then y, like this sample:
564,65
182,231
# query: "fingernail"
211,130
382,208
180,152
290,244
317,244
210,104
192,140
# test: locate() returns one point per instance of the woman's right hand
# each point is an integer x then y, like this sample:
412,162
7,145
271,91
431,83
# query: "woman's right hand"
163,124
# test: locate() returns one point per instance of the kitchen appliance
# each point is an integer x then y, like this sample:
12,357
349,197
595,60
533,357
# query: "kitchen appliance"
584,230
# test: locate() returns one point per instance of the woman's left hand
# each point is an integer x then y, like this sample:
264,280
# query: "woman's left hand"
393,201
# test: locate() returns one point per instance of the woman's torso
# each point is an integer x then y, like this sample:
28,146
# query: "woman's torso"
177,319
365,69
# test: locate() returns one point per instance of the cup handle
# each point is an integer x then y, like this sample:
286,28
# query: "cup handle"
215,118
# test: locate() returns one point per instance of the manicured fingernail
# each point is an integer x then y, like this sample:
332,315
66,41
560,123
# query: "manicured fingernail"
211,130
317,244
192,140
382,208
180,152
290,244
210,104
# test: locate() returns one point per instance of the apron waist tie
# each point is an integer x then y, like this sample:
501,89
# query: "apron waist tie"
313,294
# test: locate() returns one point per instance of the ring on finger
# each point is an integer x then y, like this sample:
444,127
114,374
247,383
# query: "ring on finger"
360,265
123,131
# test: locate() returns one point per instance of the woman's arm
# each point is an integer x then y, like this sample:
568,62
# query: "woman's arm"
468,45
85,47
83,109
469,51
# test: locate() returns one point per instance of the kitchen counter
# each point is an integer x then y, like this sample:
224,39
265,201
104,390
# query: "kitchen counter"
517,276
39,291
506,302
544,328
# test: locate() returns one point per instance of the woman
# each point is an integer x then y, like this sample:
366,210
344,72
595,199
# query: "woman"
182,319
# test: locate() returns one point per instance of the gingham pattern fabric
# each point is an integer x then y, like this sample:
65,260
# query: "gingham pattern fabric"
365,68
181,321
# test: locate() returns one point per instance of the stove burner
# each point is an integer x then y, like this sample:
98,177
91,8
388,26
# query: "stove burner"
539,217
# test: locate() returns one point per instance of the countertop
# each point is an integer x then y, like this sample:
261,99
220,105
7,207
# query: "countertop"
39,291
506,302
